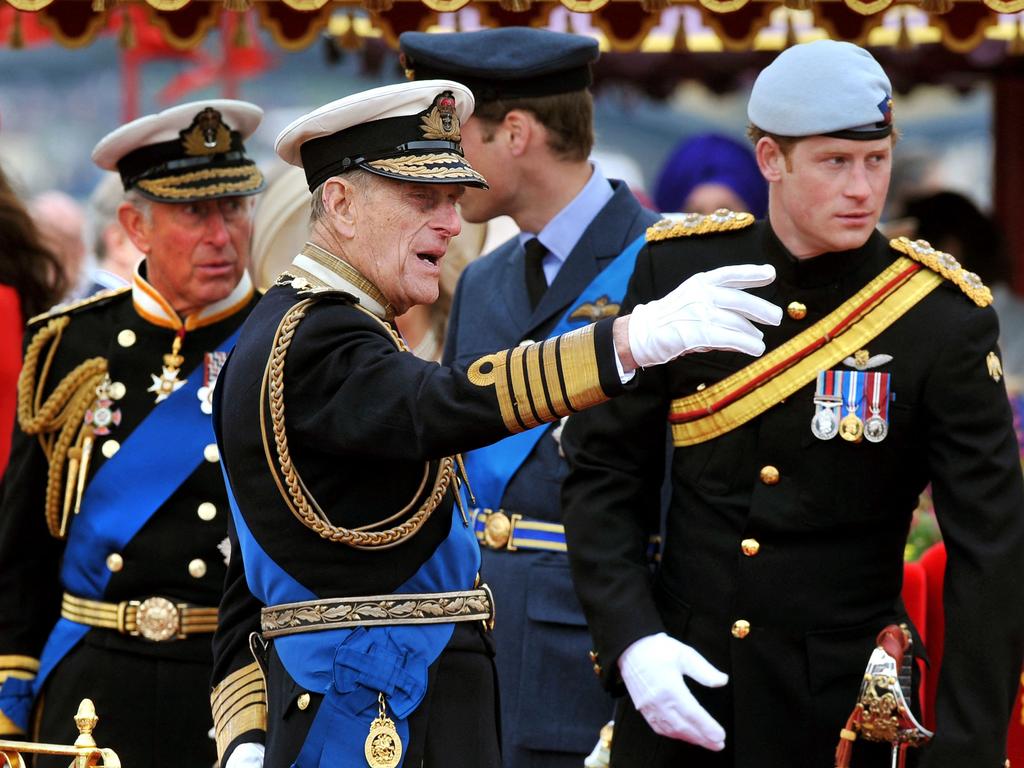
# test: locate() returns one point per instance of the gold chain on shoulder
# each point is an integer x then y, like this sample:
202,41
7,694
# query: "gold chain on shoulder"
286,476
63,410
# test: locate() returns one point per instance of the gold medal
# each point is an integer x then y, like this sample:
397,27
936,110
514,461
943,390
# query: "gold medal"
383,748
851,428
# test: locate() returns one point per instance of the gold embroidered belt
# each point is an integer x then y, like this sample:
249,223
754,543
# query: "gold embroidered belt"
751,391
155,618
377,610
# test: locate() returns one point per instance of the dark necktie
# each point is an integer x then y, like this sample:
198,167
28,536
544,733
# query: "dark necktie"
536,282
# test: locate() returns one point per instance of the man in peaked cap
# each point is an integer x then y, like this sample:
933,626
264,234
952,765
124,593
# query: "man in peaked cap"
114,509
531,136
795,478
342,451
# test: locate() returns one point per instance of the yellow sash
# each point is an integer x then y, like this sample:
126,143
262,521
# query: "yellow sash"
754,389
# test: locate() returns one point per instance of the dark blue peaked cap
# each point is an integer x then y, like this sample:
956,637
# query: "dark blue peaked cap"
503,63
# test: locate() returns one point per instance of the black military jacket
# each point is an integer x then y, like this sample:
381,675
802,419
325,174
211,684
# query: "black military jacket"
366,423
813,562
177,554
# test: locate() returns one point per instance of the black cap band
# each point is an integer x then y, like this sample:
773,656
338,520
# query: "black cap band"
330,155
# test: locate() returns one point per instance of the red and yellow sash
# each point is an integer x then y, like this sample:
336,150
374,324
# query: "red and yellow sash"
754,389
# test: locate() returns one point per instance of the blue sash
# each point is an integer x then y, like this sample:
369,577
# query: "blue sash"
350,666
491,468
120,499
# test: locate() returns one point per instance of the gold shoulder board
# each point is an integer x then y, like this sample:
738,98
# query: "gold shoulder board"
63,309
945,265
686,224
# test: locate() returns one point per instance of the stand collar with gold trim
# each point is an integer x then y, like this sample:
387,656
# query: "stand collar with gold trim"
339,274
154,308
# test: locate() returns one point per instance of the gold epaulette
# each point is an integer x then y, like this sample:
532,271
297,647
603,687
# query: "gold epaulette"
239,704
58,420
684,225
947,266
63,309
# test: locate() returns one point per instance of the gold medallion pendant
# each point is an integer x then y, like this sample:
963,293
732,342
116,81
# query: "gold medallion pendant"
383,748
851,428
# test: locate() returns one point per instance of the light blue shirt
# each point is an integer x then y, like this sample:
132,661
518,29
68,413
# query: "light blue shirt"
565,230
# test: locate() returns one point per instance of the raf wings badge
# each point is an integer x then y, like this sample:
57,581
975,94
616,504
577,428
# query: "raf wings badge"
598,310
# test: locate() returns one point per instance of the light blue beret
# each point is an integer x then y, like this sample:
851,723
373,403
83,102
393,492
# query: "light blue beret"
824,88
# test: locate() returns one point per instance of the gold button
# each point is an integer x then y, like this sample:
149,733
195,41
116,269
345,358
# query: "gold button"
769,475
741,629
197,569
211,453
117,390
598,670
126,337
750,547
593,657
796,310
109,448
114,562
303,701
206,511
497,530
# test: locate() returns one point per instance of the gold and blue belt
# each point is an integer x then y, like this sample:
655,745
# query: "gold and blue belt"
510,531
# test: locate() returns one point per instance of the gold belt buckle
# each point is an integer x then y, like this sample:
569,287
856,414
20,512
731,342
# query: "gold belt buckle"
499,529
156,619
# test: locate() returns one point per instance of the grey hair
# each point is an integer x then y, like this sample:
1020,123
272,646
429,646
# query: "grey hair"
142,204
361,179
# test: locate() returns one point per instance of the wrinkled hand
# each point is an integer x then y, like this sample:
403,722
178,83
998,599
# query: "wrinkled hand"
653,668
248,755
708,311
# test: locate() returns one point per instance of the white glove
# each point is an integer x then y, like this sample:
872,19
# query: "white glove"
247,755
707,311
653,668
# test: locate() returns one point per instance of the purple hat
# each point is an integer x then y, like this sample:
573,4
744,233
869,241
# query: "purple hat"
715,159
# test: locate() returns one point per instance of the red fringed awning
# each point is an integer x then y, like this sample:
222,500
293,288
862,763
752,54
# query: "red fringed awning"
623,25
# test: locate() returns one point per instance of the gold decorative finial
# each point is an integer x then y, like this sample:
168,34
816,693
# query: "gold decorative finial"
86,720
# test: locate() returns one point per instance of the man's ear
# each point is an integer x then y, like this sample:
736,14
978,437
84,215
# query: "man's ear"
136,224
342,201
770,158
521,128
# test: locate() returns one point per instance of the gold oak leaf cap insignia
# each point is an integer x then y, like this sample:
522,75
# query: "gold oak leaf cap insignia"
190,152
207,135
442,121
408,131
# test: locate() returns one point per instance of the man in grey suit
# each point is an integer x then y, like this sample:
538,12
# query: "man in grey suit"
531,136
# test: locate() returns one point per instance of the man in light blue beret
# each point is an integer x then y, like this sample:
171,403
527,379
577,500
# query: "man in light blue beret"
795,478
531,136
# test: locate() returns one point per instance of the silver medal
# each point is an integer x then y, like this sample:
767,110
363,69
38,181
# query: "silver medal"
824,425
875,429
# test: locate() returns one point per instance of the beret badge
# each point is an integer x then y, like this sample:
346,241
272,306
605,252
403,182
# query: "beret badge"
885,107
207,135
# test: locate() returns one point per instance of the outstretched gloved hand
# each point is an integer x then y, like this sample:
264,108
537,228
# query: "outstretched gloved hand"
653,669
708,311
247,755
